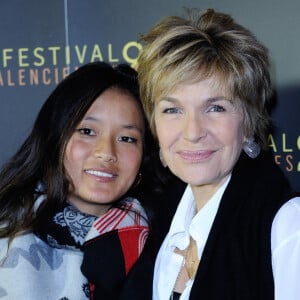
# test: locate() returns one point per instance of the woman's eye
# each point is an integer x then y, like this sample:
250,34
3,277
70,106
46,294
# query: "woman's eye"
127,139
86,131
216,108
171,110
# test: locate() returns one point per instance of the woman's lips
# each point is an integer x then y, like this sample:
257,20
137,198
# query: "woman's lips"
195,156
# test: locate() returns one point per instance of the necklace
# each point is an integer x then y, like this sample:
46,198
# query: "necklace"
189,266
191,258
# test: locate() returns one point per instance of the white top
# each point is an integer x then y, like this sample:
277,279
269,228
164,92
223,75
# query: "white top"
285,243
33,270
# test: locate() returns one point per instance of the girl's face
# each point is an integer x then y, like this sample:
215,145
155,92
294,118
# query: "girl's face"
104,154
200,132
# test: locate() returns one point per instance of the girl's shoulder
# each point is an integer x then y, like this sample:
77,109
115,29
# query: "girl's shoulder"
21,241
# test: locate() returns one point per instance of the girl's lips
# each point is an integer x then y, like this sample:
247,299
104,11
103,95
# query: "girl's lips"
100,173
195,156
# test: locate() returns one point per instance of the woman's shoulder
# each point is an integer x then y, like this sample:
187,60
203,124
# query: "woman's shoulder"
289,212
286,224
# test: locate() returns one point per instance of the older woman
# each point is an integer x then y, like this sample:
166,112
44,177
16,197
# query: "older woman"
235,234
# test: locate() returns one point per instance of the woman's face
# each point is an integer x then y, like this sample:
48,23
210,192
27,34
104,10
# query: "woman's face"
104,154
200,132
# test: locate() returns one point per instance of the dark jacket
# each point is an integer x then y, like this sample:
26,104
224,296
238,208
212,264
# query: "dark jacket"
236,262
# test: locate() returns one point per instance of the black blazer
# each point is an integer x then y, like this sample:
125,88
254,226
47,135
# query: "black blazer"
236,262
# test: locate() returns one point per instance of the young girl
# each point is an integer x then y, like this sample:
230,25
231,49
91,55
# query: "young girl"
66,196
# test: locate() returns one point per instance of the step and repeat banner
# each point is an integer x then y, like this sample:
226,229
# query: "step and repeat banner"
42,41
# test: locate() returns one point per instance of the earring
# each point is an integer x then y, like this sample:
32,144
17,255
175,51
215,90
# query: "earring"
137,181
162,160
251,148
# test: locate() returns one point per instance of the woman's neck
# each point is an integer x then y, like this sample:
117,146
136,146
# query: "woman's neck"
203,193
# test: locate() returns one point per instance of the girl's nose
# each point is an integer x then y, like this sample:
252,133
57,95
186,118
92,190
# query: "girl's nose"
105,150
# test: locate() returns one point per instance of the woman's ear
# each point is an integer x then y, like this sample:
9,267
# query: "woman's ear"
161,157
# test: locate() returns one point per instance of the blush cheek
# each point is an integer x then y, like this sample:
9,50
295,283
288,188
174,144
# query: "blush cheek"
77,151
132,164
74,158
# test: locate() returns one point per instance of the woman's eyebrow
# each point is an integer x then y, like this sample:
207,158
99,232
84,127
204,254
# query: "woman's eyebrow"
218,98
169,99
209,99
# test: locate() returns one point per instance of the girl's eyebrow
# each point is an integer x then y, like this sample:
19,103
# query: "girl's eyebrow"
132,127
125,126
89,118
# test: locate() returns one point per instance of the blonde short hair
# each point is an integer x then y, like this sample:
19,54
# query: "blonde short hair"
179,50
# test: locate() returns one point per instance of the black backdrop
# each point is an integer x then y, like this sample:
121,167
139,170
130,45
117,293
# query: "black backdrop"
41,41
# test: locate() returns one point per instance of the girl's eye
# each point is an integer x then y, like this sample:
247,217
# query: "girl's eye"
86,131
127,139
216,108
171,110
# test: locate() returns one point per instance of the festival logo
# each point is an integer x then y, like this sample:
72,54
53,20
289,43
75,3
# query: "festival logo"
49,65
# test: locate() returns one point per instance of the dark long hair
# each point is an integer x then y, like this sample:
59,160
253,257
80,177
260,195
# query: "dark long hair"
37,167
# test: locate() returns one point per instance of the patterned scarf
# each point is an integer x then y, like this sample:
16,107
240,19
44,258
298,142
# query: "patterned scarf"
65,245
69,228
116,239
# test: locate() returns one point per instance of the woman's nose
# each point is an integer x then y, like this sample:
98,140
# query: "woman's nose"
105,150
194,127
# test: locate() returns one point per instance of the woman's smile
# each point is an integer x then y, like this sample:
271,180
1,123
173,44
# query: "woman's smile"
200,132
196,156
